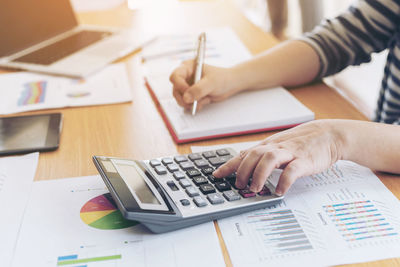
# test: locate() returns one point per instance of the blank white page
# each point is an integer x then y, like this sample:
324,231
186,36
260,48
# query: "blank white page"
249,111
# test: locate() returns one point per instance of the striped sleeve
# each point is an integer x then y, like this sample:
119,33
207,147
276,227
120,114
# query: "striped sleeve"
349,39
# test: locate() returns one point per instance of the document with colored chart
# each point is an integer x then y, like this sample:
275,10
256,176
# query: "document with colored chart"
75,222
340,216
24,91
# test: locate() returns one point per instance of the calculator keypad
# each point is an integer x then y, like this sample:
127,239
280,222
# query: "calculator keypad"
215,198
191,178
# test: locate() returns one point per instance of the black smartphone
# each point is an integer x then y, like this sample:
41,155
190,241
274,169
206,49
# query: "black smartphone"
22,134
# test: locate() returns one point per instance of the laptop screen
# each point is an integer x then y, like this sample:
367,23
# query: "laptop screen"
24,23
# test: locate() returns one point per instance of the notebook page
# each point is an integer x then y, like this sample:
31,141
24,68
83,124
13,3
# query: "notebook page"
247,111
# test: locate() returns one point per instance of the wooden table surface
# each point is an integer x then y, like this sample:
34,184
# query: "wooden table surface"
136,130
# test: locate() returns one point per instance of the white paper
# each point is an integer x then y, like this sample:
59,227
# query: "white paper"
340,216
16,177
54,230
24,91
250,111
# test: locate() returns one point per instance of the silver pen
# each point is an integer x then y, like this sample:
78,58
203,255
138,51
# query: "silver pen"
198,68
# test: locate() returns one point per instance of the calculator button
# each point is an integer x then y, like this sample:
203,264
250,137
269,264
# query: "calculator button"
215,198
185,202
211,178
207,189
194,156
231,195
231,176
199,201
160,170
216,162
172,185
167,161
192,191
186,165
226,158
207,170
246,193
223,152
193,172
179,175
265,191
222,186
209,154
179,159
198,180
200,163
154,162
173,167
184,182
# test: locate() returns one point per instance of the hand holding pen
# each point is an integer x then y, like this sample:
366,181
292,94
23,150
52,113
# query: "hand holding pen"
210,84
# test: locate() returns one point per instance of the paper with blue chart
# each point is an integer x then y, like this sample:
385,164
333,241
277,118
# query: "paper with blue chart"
24,91
340,216
74,222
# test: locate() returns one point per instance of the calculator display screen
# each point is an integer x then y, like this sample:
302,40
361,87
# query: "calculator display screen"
136,183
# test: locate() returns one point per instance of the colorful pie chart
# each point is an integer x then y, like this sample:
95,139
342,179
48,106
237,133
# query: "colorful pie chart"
102,213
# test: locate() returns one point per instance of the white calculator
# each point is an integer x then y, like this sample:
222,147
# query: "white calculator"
169,193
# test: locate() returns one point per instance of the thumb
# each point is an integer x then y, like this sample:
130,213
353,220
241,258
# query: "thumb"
197,91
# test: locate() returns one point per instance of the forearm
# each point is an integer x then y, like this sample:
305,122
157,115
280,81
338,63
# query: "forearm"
291,63
374,145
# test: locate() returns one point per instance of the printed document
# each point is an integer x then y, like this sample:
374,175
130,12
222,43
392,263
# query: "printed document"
16,178
74,222
24,91
340,216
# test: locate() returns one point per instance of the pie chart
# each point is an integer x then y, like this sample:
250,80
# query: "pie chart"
101,212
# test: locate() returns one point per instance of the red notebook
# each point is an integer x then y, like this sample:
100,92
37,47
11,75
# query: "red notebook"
248,112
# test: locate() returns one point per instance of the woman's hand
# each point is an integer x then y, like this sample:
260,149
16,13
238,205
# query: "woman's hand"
304,150
215,85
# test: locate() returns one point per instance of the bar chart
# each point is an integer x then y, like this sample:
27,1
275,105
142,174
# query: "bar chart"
83,262
278,232
359,220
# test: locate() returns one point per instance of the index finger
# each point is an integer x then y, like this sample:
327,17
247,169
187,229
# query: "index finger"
228,168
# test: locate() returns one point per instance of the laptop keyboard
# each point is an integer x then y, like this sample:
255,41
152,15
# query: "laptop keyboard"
65,47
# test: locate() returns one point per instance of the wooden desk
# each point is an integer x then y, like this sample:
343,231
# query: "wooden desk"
124,129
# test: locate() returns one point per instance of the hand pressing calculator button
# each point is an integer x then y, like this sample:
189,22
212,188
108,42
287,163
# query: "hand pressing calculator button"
170,193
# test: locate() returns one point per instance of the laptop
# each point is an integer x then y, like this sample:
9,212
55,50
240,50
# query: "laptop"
44,36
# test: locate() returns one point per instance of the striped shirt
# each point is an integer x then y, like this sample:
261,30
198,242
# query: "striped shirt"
368,26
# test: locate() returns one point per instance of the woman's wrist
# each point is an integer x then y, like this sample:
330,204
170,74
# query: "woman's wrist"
339,139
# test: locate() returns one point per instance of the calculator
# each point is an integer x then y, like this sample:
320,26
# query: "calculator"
170,193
